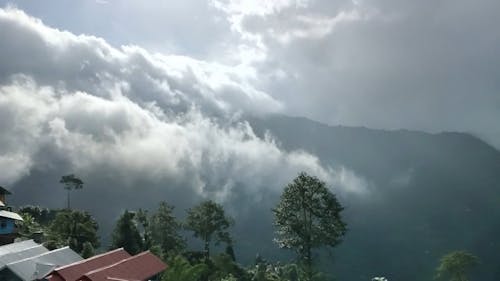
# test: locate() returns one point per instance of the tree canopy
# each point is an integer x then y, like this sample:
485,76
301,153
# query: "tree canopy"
209,223
71,182
73,228
126,234
455,265
307,217
164,229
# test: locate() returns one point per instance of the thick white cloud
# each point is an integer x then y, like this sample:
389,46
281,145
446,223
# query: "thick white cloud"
86,63
76,103
117,136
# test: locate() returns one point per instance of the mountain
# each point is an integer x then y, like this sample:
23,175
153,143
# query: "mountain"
425,195
428,194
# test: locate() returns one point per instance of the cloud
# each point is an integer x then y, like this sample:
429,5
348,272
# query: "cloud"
86,63
389,64
76,104
117,136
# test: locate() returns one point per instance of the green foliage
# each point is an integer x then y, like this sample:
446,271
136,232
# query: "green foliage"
43,216
126,234
222,267
307,217
73,228
209,223
71,182
181,270
264,271
30,228
164,230
230,277
144,226
454,266
88,250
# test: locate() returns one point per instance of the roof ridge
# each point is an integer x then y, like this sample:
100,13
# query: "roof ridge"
90,259
117,263
40,255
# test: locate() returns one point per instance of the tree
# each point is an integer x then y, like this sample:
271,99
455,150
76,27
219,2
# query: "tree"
30,228
209,223
164,229
126,234
307,217
143,223
88,250
179,269
73,228
71,182
455,265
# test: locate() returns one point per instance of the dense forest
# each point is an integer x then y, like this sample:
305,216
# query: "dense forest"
308,220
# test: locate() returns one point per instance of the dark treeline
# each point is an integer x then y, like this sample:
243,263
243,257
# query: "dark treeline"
308,220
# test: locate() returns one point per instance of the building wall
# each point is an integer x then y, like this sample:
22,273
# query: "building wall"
7,226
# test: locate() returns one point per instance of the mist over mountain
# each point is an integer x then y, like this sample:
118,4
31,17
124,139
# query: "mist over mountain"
140,127
427,194
422,196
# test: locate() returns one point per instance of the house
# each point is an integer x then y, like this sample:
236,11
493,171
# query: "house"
37,267
3,195
8,231
7,222
76,270
141,267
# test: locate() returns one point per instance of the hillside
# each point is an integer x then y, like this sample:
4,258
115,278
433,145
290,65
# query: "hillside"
428,194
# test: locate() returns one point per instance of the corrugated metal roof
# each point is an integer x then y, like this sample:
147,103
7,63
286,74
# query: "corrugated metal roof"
10,215
72,272
16,247
41,265
139,267
20,255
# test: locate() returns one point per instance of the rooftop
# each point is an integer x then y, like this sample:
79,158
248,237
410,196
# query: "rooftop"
17,247
78,269
139,267
39,266
10,215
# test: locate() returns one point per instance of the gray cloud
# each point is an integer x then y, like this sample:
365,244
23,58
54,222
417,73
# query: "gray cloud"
74,103
388,64
393,64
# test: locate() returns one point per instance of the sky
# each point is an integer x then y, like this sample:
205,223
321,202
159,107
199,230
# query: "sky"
158,89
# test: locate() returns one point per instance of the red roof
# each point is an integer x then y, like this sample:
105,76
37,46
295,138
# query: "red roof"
136,268
76,270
